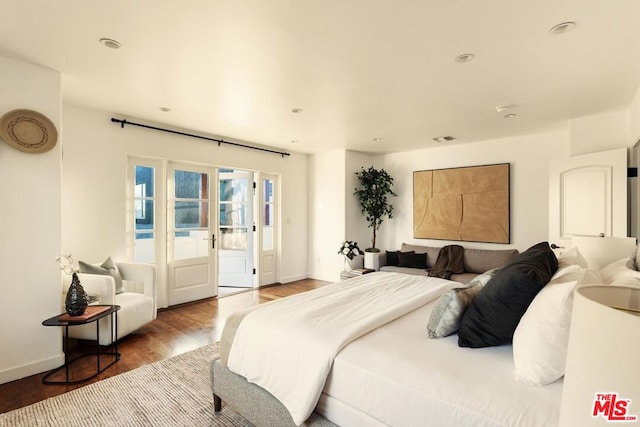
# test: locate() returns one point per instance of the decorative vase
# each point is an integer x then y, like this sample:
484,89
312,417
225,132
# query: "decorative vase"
355,262
76,301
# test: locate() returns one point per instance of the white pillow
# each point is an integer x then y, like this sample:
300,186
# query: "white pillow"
541,338
571,257
619,273
634,259
565,270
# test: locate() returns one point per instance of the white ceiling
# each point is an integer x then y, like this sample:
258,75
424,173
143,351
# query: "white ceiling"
358,69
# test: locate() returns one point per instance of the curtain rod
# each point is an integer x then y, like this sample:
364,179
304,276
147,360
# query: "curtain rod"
219,141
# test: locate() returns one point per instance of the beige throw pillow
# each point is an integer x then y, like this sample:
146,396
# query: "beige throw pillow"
108,268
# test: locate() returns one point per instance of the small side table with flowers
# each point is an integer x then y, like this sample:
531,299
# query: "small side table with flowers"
351,252
353,258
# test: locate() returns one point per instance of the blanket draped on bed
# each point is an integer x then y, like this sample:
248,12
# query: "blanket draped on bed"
450,261
288,346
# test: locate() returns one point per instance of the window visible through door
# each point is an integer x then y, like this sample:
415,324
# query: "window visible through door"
144,211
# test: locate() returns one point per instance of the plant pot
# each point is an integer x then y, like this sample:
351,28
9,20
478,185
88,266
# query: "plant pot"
370,259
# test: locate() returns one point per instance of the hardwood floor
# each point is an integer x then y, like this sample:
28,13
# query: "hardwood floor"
176,330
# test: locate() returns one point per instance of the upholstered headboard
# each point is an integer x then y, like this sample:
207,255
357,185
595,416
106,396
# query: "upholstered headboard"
600,251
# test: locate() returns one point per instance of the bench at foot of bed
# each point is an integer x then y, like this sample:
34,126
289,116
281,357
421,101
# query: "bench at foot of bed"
254,403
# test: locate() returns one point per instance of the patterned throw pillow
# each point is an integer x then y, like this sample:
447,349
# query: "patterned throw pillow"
445,317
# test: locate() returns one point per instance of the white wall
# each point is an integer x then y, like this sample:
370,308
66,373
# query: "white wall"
334,210
601,132
528,155
94,162
326,214
634,119
30,186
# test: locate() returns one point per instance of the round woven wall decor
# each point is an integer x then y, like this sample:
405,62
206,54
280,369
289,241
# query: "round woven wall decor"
28,131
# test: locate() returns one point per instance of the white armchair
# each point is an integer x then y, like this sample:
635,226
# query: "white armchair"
137,302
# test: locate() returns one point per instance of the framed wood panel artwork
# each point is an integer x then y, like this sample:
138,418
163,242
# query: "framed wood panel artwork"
468,204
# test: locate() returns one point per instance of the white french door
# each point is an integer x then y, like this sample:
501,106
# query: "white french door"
191,243
202,227
235,229
268,229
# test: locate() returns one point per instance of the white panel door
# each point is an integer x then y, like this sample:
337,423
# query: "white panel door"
236,229
588,196
191,247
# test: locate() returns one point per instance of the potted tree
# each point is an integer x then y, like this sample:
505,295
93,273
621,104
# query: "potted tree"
375,187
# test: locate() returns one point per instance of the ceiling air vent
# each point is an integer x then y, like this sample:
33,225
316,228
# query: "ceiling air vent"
443,138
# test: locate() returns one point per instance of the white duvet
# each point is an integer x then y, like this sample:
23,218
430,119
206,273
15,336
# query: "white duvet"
288,346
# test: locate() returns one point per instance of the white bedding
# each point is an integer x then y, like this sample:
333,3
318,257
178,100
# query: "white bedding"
397,376
303,333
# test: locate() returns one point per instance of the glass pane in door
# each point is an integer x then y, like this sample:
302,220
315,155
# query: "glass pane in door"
143,207
268,215
233,239
233,214
191,213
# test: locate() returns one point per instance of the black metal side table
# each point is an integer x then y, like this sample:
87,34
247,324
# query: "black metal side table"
93,314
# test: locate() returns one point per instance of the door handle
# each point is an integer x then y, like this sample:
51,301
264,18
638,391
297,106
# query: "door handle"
213,240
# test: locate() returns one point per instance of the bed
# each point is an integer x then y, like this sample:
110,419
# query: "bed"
391,374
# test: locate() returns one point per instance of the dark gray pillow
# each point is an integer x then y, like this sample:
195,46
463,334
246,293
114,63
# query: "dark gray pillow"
494,313
412,260
392,257
108,268
446,315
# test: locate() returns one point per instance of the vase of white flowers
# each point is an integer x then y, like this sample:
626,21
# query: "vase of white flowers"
352,254
77,299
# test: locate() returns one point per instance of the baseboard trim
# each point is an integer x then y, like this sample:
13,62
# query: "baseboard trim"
18,372
294,278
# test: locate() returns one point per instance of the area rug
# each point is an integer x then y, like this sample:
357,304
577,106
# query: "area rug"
171,392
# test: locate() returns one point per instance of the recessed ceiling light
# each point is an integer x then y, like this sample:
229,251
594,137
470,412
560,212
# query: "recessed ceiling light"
377,139
165,109
509,116
443,138
110,43
562,28
465,57
296,110
501,108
